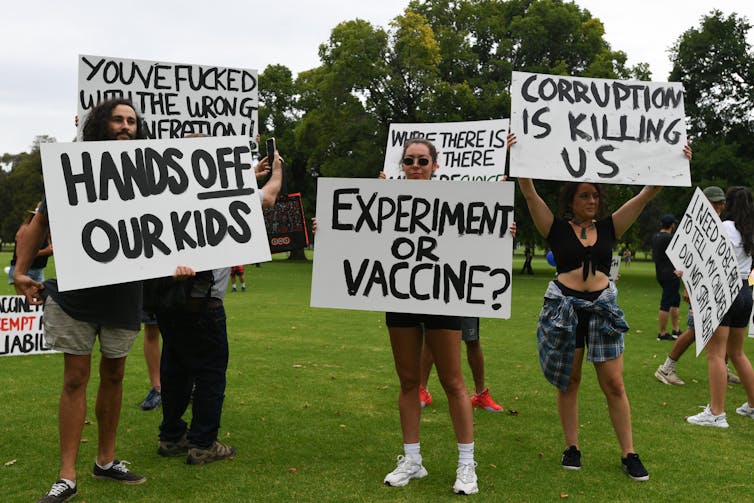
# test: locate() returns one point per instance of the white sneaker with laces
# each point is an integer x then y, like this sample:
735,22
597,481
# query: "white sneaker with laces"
406,470
707,418
745,410
668,377
466,481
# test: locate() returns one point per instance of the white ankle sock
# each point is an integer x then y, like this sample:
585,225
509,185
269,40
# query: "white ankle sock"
106,466
669,364
465,453
413,451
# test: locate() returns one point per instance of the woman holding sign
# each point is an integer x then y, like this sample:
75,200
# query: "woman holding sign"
738,222
580,313
443,335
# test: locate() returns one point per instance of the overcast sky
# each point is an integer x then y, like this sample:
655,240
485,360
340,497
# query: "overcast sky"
42,40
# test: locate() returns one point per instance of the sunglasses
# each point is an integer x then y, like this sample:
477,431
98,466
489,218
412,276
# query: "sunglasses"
409,161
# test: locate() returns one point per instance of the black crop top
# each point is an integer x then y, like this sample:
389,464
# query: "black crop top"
570,254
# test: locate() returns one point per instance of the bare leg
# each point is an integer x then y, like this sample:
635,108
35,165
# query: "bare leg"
674,318
662,322
406,344
568,402
446,348
152,353
717,370
682,343
741,362
72,411
610,377
426,364
475,357
109,396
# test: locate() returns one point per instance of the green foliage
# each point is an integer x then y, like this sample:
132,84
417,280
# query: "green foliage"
20,190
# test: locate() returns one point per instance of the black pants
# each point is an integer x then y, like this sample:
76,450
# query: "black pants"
194,353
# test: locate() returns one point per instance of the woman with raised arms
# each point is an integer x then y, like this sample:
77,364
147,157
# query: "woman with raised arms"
580,313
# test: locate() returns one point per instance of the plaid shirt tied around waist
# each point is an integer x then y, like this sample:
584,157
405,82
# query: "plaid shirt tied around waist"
556,332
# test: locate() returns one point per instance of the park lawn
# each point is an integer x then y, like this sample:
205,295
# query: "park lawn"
311,408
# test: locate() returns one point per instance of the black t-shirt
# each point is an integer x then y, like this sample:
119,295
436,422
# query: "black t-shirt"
664,268
570,254
116,306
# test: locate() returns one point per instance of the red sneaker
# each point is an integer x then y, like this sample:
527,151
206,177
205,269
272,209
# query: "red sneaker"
485,401
424,396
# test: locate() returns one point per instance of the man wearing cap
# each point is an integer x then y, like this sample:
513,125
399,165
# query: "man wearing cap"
667,278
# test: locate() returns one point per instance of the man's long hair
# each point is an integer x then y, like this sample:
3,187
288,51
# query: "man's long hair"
95,127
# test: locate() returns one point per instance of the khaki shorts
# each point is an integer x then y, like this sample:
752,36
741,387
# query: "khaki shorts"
75,337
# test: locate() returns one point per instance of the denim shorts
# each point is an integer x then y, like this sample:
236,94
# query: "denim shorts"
37,274
75,337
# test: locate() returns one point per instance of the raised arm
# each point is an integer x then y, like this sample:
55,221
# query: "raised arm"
540,212
273,185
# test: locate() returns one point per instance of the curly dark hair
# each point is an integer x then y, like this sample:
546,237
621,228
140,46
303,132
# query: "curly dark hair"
739,207
568,192
95,127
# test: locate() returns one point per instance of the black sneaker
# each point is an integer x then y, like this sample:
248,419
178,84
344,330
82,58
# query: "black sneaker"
634,468
215,452
119,473
675,334
168,449
59,492
665,337
571,458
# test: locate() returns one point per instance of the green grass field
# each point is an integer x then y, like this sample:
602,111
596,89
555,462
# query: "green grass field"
311,408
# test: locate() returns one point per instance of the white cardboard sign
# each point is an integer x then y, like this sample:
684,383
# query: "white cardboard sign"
174,99
701,249
123,211
21,330
598,130
413,246
469,151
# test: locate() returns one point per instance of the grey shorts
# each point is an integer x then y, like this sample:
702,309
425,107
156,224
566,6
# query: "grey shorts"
469,329
75,337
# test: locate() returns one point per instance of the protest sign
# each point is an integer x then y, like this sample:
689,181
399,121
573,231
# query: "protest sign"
473,151
598,130
174,99
286,224
122,211
614,268
701,249
21,331
414,246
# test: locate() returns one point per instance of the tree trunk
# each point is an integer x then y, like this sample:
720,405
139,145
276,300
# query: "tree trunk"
297,254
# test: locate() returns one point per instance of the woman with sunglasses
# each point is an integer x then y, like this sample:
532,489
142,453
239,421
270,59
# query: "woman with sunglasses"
738,222
443,335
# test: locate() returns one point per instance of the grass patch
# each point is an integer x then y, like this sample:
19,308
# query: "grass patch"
311,408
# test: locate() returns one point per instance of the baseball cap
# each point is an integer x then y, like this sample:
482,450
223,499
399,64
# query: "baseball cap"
714,194
668,219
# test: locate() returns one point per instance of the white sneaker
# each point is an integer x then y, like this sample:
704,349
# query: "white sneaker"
733,378
707,418
466,481
406,470
666,377
745,410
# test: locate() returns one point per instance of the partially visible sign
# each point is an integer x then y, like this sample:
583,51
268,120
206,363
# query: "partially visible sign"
21,330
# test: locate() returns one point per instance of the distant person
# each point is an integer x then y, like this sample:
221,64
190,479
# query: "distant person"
729,336
668,279
152,359
37,268
528,256
627,256
72,321
237,272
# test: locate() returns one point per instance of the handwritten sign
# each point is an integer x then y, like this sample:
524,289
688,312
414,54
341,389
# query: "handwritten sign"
175,99
21,331
412,246
122,211
469,151
614,268
598,130
701,249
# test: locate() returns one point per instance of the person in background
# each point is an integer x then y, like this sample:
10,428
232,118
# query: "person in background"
666,372
668,279
37,268
237,271
729,336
